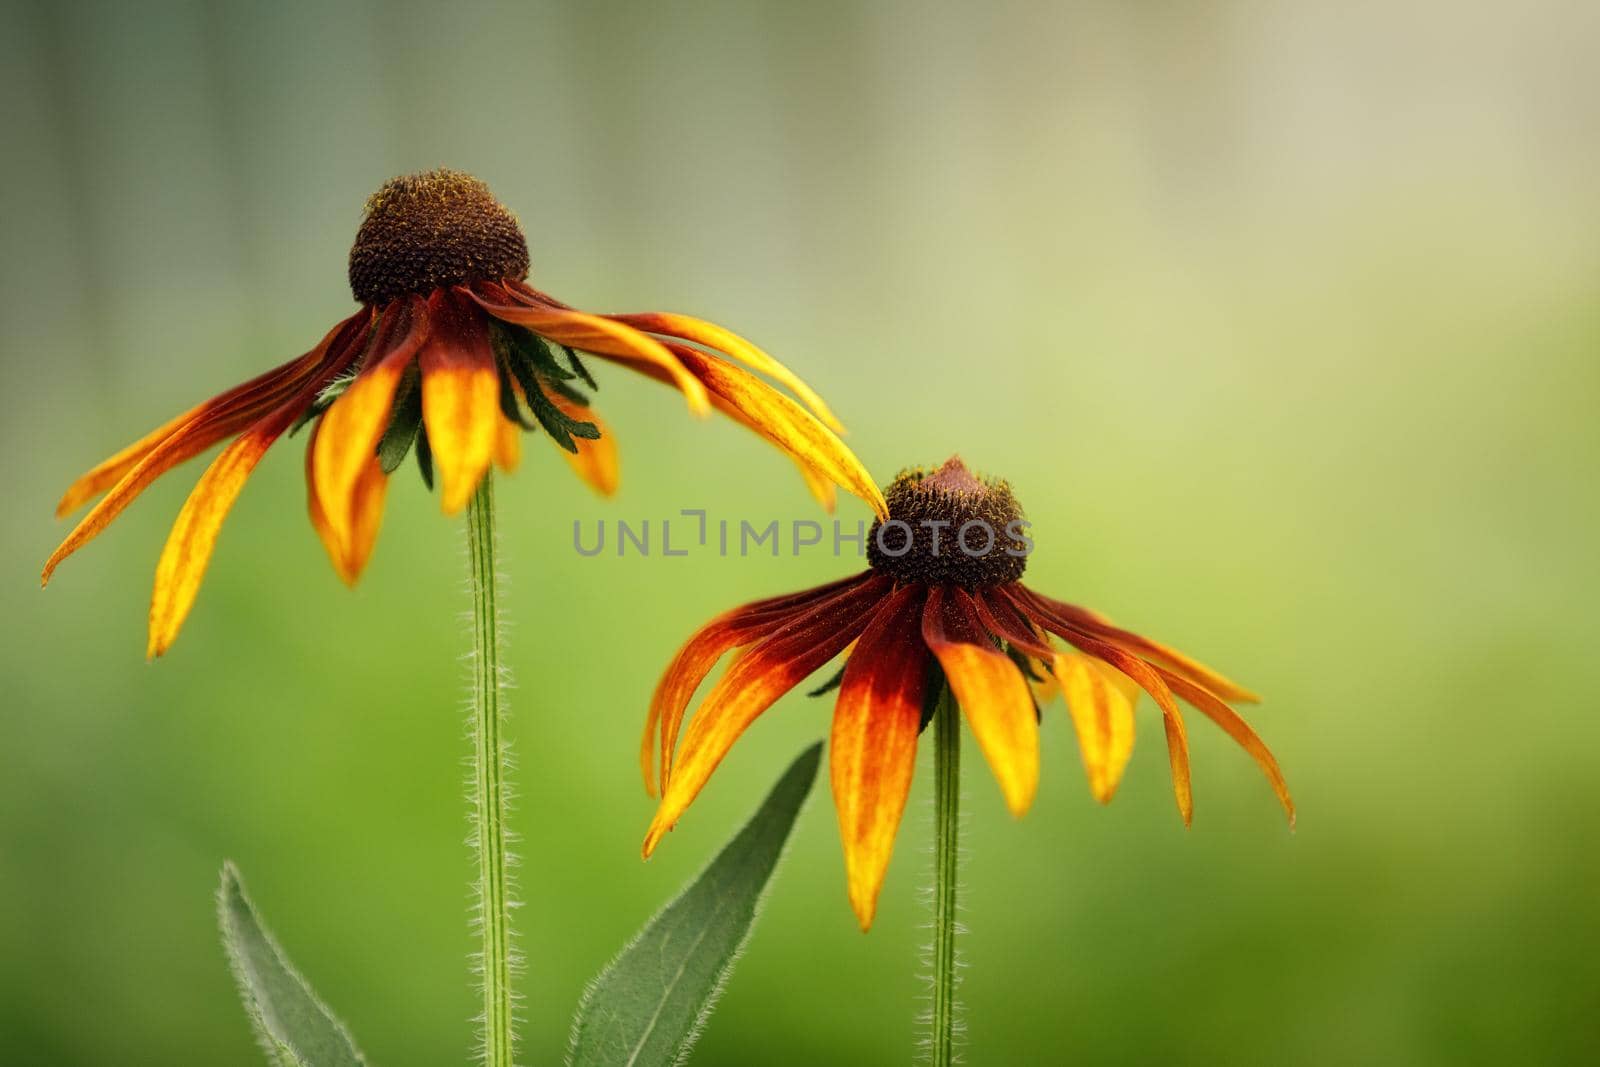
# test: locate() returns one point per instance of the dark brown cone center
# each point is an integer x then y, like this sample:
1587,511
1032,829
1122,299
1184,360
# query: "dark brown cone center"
950,527
430,231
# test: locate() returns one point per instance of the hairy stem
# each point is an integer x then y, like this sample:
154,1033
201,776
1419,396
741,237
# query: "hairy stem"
489,800
946,831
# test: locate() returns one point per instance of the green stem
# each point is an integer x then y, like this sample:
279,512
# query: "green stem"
489,800
946,831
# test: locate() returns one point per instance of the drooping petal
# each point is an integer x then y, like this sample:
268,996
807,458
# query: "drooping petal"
217,419
784,423
332,543
991,691
773,667
873,749
350,546
700,332
194,535
1215,709
1099,698
1001,618
732,629
818,485
820,488
110,471
349,431
1100,701
595,461
460,398
1097,626
591,333
1039,612
508,446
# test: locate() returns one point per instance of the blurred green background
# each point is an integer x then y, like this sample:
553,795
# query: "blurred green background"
1283,319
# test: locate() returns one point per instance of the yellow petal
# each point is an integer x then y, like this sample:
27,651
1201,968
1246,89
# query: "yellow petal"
508,446
194,536
460,400
332,542
773,667
991,691
1213,707
348,432
595,461
819,487
784,423
711,335
604,338
217,419
1101,701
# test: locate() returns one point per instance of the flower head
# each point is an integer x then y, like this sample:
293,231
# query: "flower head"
937,607
451,355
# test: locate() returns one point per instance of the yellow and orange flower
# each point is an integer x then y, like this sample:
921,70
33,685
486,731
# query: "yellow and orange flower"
449,355
918,619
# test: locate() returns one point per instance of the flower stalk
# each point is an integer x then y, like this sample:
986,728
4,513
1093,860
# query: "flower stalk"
946,857
489,799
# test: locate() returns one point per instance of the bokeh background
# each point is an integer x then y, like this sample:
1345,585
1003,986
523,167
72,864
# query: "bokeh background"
1283,319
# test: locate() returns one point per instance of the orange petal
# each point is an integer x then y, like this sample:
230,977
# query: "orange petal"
1037,609
1213,707
349,548
873,750
366,518
332,543
991,691
226,414
691,664
1190,668
773,667
349,431
1178,760
819,487
460,398
246,397
711,335
784,423
595,461
1100,701
194,535
604,338
508,446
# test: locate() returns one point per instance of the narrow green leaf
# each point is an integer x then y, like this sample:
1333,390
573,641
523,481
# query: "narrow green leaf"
425,458
647,1007
405,419
295,1028
579,369
830,685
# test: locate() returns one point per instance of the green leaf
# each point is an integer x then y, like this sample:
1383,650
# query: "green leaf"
295,1028
405,418
579,369
425,458
829,686
648,1006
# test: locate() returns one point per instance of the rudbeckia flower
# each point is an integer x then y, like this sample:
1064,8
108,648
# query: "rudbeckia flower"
940,604
451,355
